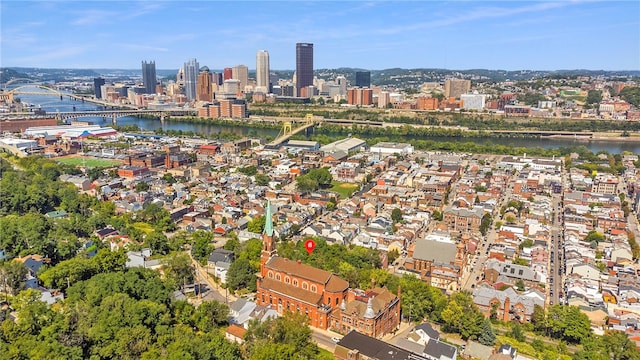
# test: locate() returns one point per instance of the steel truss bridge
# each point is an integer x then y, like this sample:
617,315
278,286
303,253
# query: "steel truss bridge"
115,114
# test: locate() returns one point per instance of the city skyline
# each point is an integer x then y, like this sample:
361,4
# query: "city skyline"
375,35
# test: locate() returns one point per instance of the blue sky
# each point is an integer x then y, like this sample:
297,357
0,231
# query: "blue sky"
510,35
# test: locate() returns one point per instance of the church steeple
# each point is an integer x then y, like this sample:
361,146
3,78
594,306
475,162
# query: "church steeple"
268,223
268,245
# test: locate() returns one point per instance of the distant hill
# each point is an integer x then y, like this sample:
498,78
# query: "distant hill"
396,77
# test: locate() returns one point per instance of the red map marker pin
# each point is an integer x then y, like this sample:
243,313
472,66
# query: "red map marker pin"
309,245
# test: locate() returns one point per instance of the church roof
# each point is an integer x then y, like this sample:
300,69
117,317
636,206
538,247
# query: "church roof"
332,282
291,291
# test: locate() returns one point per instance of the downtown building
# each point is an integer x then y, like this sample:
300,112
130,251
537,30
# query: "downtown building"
304,67
241,73
149,79
204,88
262,72
363,79
191,70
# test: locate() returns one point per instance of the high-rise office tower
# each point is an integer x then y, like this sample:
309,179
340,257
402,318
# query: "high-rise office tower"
191,70
97,83
363,78
205,85
227,74
262,71
149,79
241,72
304,66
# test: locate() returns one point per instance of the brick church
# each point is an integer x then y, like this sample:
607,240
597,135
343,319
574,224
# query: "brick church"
323,296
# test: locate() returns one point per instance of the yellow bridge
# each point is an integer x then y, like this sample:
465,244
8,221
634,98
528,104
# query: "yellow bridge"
288,130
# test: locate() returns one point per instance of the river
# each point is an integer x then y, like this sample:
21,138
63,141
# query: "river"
51,104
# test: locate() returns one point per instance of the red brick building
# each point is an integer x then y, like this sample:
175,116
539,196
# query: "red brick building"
427,103
288,285
132,171
375,312
20,125
360,96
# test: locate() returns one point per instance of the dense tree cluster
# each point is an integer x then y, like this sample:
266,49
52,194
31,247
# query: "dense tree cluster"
315,179
287,337
126,314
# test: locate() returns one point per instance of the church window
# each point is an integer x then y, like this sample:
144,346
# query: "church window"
295,282
271,274
305,286
287,279
313,288
278,277
337,300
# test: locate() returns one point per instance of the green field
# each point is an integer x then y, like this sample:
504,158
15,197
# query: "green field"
344,189
89,162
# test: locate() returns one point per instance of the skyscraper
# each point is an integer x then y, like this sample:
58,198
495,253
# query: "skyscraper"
304,66
241,72
262,71
97,83
149,79
191,69
205,82
363,78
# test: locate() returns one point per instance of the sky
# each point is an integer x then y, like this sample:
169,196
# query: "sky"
373,35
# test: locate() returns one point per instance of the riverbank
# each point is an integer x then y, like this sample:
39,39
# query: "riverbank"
604,137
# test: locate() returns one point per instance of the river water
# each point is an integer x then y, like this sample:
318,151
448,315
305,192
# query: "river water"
51,104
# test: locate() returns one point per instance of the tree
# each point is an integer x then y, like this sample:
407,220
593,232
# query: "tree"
461,315
210,315
142,186
594,236
631,95
286,337
520,285
393,255
13,274
168,177
179,270
594,97
256,225
520,261
158,242
568,323
322,176
262,179
306,183
202,246
485,223
487,336
241,275
516,331
396,215
437,215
